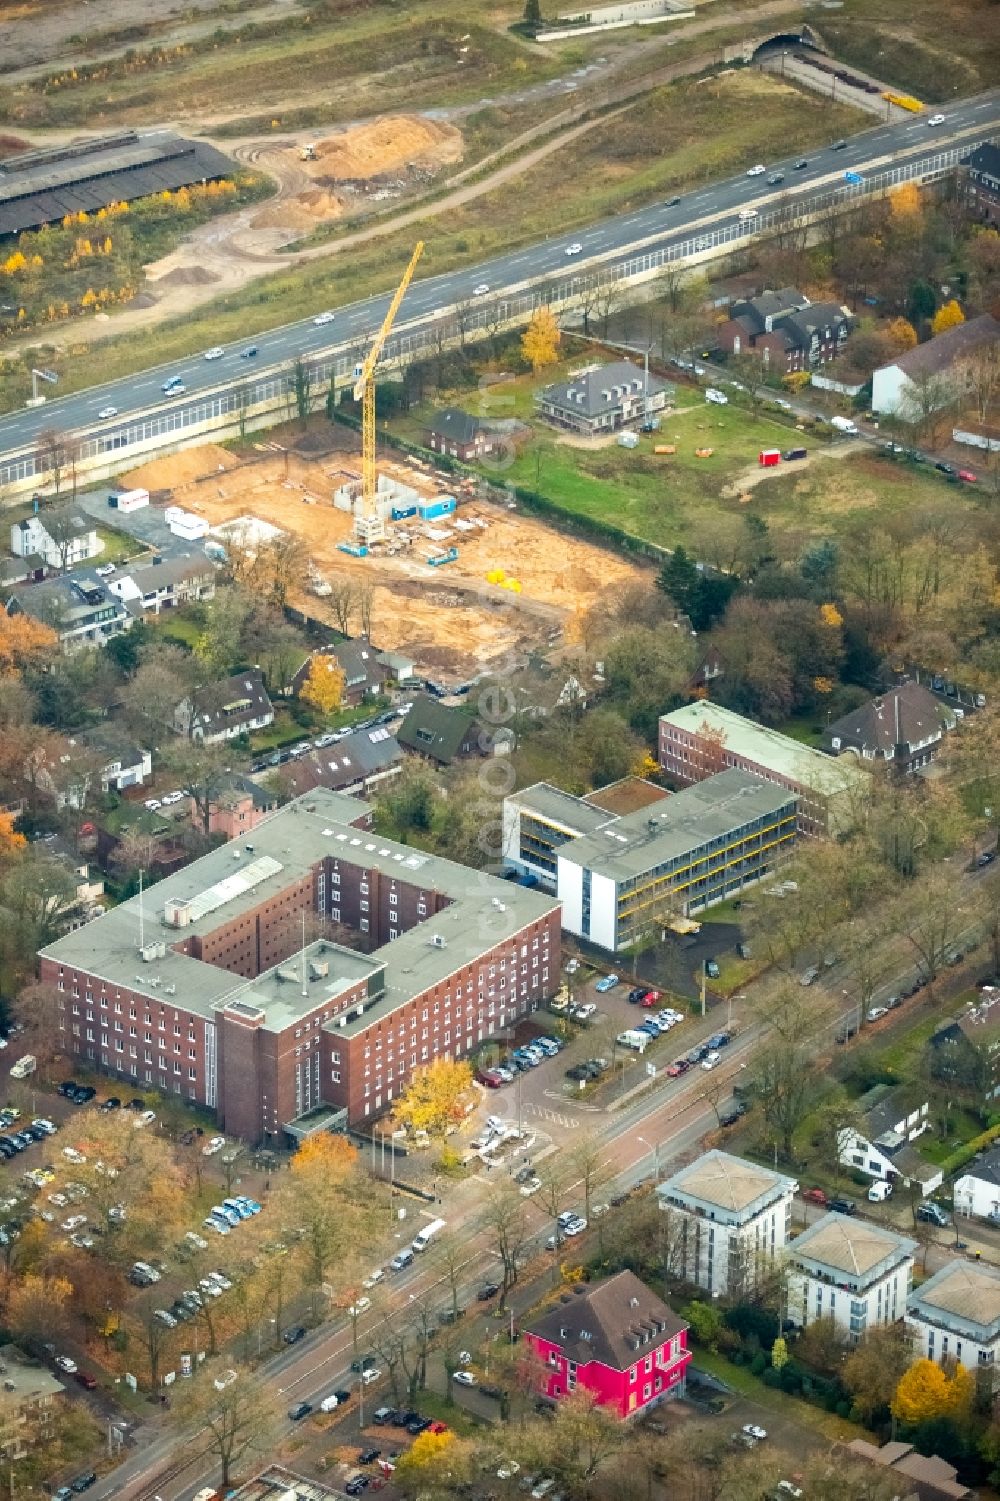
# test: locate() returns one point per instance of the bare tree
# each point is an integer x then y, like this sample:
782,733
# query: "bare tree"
504,1215
366,601
50,455
343,601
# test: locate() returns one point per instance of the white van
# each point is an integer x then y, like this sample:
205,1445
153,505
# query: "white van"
637,1041
879,1192
421,1241
23,1067
717,398
844,425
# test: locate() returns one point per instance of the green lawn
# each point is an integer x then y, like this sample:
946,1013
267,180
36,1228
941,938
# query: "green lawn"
742,1380
119,547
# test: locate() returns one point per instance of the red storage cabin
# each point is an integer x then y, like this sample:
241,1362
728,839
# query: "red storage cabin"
768,457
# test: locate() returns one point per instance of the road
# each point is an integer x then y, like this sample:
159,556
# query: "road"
602,244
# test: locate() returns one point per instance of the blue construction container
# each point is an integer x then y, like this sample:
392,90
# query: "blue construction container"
400,513
430,510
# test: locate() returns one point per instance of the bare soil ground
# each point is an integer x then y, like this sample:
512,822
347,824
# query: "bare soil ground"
449,618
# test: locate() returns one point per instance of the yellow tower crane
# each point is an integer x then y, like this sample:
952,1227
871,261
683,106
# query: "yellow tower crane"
368,524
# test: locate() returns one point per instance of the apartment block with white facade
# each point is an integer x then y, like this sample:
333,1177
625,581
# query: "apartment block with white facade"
957,1313
729,1221
851,1271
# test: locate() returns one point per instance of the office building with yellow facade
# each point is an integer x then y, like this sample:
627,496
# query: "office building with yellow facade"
621,878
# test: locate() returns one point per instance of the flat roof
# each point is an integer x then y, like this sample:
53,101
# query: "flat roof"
726,1182
282,851
553,805
628,847
769,748
969,1294
851,1246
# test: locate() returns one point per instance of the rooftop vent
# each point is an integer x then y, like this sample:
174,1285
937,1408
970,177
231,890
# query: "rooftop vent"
437,941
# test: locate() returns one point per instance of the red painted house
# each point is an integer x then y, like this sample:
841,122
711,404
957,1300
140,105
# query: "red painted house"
617,1340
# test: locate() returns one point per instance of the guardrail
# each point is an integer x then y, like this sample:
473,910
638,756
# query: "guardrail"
268,399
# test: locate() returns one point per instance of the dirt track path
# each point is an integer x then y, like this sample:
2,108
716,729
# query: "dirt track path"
227,254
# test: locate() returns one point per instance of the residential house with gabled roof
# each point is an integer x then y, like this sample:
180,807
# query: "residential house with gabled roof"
976,1191
62,535
905,726
604,398
915,1477
616,1339
730,1220
881,1145
981,177
364,674
932,375
786,329
445,733
358,763
224,710
459,434
851,1271
166,585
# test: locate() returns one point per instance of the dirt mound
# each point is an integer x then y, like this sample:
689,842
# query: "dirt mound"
386,144
187,276
181,468
11,145
312,206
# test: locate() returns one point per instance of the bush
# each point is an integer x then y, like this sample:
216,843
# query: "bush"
791,1380
759,1364
771,1377
736,1357
843,1409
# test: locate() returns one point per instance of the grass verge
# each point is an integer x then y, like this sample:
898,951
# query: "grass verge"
793,1409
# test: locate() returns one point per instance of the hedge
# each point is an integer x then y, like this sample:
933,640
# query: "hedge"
962,1155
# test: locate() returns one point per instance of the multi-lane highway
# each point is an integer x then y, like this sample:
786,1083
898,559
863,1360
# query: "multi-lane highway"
701,219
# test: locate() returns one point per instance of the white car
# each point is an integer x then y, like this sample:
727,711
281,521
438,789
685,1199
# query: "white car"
753,1430
198,1241
359,1307
367,1377
152,803
574,249
172,797
329,1403
936,120
106,413
215,353
59,1200
508,1467
717,398
757,171
463,1378
65,1364
45,1125
72,1155
81,1241
531,1187
209,1288
215,1144
585,1012
145,1118
322,318
74,1222
481,290
373,1277
711,1060
876,1012
105,570
220,1280
216,1225
165,1318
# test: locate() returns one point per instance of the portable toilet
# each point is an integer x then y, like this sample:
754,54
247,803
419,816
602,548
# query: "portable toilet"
768,457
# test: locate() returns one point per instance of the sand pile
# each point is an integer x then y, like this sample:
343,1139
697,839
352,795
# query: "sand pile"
385,145
181,468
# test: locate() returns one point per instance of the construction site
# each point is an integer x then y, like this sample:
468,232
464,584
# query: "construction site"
512,586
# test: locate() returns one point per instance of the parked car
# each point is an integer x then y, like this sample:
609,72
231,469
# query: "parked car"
293,1335
607,983
816,1196
843,1206
299,1411
933,1214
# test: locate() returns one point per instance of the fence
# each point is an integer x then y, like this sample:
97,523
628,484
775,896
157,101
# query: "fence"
251,404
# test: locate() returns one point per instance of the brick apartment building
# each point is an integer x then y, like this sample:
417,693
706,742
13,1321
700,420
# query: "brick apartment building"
208,990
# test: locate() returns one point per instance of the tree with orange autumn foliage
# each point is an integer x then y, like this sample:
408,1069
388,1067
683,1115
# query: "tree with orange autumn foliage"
948,315
11,842
24,642
332,1200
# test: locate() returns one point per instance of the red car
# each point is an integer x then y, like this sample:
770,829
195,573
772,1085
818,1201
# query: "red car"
652,998
438,1427
816,1196
967,476
673,1070
489,1078
86,1380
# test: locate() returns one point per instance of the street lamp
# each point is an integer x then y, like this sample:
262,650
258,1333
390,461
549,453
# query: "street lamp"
655,1149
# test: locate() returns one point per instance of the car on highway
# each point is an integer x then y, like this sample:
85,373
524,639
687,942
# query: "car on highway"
672,202
299,1410
322,318
936,120
839,145
481,290
757,171
215,353
373,1277
106,413
250,353
173,387
710,1060
800,165
574,249
775,178
607,983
